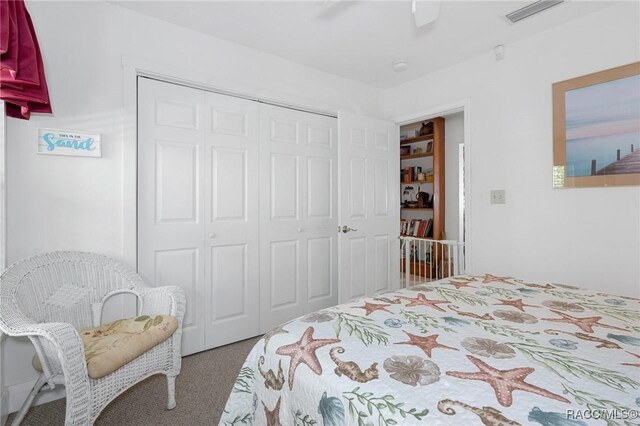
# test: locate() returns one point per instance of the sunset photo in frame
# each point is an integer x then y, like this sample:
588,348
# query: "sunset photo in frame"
596,129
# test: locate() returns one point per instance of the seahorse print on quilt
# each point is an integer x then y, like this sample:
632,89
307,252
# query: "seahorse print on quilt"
351,370
270,379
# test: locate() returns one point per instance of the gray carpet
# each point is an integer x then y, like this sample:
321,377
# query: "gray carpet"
202,389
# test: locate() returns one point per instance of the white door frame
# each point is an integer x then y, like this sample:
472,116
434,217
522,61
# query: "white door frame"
132,69
464,106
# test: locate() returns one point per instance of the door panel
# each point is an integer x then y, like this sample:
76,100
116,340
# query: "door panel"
229,188
231,230
174,112
357,255
180,265
283,130
299,214
229,272
284,274
177,181
320,136
382,141
369,204
381,261
171,141
284,187
320,188
357,188
319,256
229,122
380,188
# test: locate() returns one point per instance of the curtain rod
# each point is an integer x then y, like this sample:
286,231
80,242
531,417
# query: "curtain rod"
237,95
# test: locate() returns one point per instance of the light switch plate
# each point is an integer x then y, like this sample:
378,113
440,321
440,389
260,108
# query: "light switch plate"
498,196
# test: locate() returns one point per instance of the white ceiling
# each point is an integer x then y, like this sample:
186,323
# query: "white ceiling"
360,39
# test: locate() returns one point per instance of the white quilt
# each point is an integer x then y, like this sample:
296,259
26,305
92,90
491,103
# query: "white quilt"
464,350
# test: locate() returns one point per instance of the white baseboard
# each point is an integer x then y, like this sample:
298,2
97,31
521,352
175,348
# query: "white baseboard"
16,394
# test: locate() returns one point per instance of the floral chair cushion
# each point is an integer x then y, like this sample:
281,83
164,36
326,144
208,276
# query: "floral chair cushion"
110,346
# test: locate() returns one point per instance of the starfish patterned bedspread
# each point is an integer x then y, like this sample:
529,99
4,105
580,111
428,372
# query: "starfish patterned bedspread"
463,350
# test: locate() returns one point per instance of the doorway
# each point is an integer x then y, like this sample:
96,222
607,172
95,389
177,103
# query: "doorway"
433,182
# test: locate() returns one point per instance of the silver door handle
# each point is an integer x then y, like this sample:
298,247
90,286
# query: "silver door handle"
346,229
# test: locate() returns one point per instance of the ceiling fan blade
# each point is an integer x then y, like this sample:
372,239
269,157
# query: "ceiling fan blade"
425,12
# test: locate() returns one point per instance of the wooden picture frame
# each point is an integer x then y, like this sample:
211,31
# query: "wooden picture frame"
596,129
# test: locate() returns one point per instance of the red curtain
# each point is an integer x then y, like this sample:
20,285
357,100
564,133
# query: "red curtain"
23,86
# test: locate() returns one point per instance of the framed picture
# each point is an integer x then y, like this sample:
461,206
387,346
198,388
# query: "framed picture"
430,147
596,129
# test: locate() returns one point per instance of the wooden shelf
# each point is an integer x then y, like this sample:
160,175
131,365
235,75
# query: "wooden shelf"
415,208
416,139
413,182
421,155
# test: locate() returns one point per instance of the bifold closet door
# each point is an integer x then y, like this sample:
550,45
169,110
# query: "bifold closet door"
197,210
171,164
231,219
298,209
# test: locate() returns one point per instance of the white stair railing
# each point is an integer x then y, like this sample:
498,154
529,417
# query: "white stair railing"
423,259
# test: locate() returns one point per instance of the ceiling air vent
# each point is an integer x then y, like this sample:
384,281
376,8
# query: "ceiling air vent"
531,9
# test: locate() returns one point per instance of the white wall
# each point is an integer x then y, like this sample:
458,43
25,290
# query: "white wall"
76,203
588,237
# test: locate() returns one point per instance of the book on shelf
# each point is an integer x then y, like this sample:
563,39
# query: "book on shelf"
418,228
408,174
422,228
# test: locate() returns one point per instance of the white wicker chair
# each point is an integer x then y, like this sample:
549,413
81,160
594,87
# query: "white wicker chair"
49,297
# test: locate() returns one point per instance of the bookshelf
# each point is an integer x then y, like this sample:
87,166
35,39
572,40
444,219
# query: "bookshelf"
425,154
422,153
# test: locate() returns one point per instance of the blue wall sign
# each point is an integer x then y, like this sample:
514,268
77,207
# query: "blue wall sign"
62,142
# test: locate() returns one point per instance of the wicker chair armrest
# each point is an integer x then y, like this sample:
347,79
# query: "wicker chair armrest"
70,351
169,300
65,339
13,323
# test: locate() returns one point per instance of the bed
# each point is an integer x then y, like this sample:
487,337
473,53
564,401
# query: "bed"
464,350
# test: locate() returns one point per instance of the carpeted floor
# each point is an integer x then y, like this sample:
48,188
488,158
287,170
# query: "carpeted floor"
202,389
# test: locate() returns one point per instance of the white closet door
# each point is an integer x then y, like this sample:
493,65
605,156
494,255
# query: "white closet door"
198,207
369,206
298,209
171,165
231,218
